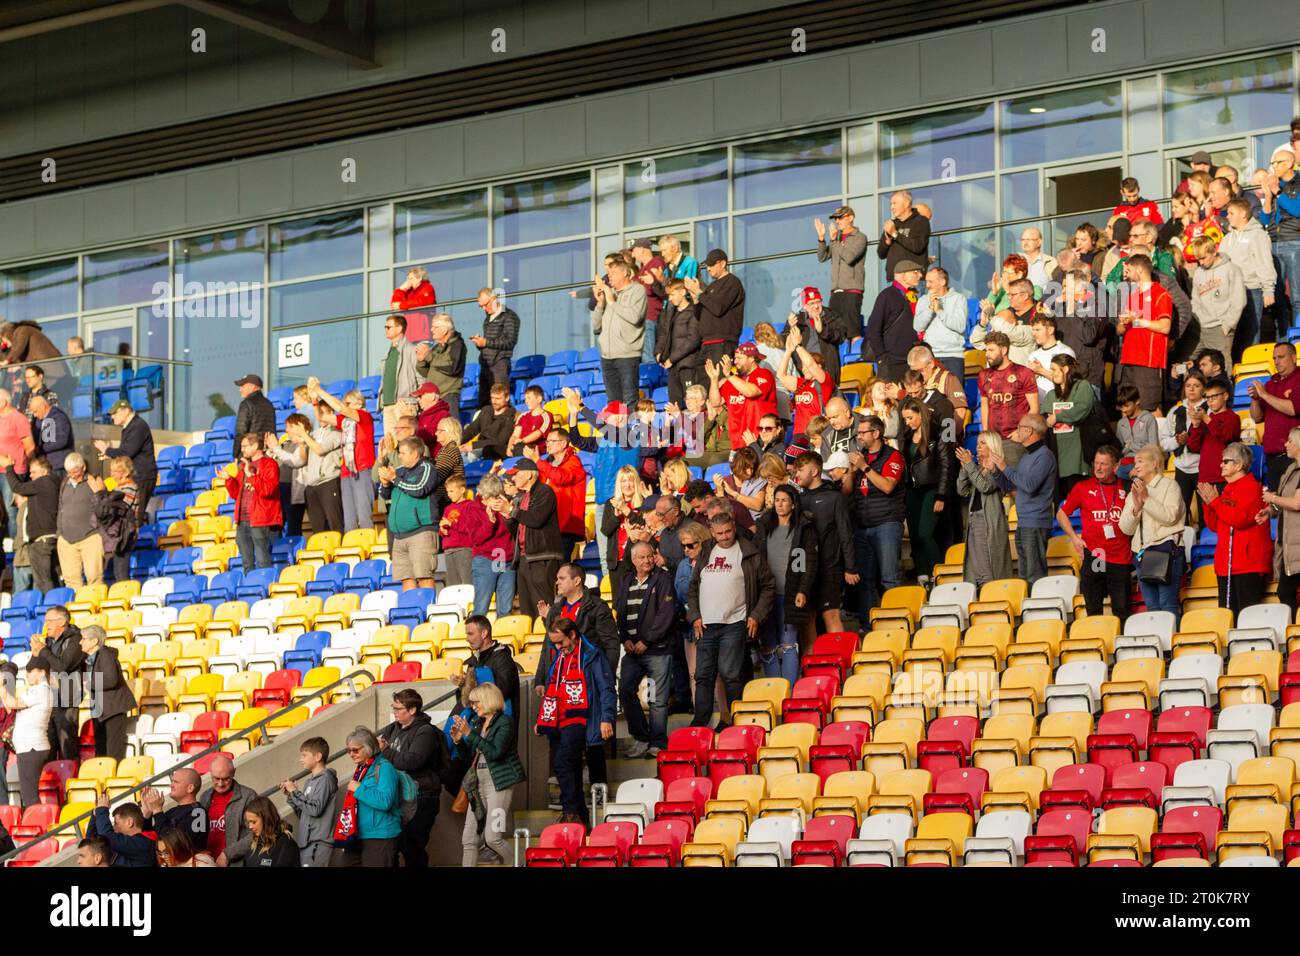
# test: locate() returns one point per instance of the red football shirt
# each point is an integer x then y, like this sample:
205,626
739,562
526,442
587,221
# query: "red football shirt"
1276,425
743,413
809,401
529,423
1100,505
1143,347
1007,390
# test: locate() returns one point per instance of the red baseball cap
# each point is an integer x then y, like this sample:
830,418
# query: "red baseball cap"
811,294
750,349
428,388
613,408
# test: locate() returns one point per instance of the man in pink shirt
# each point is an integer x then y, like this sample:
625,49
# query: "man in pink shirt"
15,442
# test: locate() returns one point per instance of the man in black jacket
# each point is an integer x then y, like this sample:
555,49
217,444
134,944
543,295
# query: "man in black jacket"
906,235
890,331
496,346
538,557
256,415
42,492
494,655
412,744
678,346
647,619
492,426
110,695
443,361
52,430
186,813
61,646
721,307
136,443
837,563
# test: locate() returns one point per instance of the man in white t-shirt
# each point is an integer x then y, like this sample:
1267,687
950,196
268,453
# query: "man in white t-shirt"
1048,347
31,733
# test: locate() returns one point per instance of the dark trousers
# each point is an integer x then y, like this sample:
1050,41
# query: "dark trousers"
848,306
720,650
1097,578
64,733
413,844
292,513
41,554
121,567
325,506
1241,590
110,736
29,774
679,380
713,351
535,581
373,854
1275,465
1187,485
571,541
622,377
567,747
1287,586
489,374
656,667
254,545
144,494
891,370
1150,383
598,754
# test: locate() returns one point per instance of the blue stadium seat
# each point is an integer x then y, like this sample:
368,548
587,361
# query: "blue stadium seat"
722,468
561,363
471,373
1257,465
340,387
588,360
549,384
329,580
412,607
281,397
660,396
173,509
223,586
286,549
200,453
365,576
527,366
170,456
82,407
746,335
582,381
146,564
653,375
370,385
972,316
301,660
23,607
186,587
57,596
254,584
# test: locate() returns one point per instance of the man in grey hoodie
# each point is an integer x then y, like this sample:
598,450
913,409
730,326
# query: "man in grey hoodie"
1218,295
1248,247
619,324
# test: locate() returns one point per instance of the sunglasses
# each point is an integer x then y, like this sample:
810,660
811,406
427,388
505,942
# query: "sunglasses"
690,546
767,428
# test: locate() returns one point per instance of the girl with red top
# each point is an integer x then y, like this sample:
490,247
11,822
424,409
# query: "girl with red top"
811,390
454,527
356,486
492,547
1243,555
1212,430
629,494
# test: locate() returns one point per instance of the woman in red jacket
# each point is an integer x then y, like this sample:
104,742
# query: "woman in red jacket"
255,486
1243,556
567,477
415,293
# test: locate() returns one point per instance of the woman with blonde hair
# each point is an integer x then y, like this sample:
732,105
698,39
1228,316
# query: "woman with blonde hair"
744,486
703,427
988,554
882,401
629,494
489,746
771,468
674,478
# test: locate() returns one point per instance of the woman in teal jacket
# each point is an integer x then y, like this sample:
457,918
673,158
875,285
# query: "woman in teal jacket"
377,794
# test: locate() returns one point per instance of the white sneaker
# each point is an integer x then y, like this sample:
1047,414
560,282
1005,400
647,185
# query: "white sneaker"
636,749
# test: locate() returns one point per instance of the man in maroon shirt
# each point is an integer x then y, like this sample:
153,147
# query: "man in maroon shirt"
646,263
1107,559
1275,404
1008,392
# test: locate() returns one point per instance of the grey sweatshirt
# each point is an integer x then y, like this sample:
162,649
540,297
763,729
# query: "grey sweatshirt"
1218,296
847,255
620,325
314,804
1251,251
315,469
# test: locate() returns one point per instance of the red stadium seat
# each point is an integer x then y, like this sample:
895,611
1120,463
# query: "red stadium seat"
197,741
686,756
825,840
1135,784
1290,846
1120,735
1193,721
1187,832
54,777
1288,686
810,700
831,654
10,816
202,765
288,679
35,854
1061,836
86,741
43,815
214,720
947,744
272,698
559,846
685,797
735,752
839,747
957,790
402,672
1075,785
661,844
23,833
609,844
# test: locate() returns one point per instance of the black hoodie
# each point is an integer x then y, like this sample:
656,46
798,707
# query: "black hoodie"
419,750
830,515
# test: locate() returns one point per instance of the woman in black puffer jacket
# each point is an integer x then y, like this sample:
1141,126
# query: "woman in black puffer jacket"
931,484
791,540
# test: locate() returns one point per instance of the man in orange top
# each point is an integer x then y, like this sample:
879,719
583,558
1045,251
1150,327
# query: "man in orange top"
563,471
1144,324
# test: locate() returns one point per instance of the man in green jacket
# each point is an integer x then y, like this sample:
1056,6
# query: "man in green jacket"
412,514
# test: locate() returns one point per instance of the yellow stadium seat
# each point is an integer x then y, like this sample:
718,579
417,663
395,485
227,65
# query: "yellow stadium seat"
1022,689
1003,742
355,545
848,791
226,619
1037,641
900,791
791,793
893,745
999,600
1061,739
320,677
200,693
1015,788
906,599
286,719
1216,619
434,631
858,376
861,697
738,796
337,612
158,660
1252,678
939,837
177,536
421,652
190,622
300,614
91,777
71,811
293,581
786,746
1122,833
121,624
760,702
120,595
1254,829
1267,779
528,662
1094,630
244,719
89,597
440,670
320,547
714,842
1134,683
936,642
194,657
884,645
1259,354
984,645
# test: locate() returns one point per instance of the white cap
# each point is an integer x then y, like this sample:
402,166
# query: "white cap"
837,459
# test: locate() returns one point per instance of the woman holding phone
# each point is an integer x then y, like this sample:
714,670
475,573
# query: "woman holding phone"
488,742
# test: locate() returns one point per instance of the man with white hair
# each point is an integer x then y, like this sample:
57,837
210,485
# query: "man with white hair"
1033,479
1041,265
53,433
906,235
1279,197
81,549
443,361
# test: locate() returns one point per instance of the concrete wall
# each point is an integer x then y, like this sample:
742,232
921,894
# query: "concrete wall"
811,88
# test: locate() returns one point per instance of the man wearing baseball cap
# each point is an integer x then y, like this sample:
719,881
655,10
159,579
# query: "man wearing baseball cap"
136,443
721,307
748,389
891,332
535,521
432,410
846,248
256,415
647,263
821,330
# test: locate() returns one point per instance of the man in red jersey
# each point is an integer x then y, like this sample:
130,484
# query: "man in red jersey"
748,389
1107,559
1144,325
1275,403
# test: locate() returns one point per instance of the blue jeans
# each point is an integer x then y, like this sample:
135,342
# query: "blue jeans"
255,545
493,576
656,667
622,377
721,649
880,552
1031,549
1286,257
22,580
1164,597
779,645
358,494
651,337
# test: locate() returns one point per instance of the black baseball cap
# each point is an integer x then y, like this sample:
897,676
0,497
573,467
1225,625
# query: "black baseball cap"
642,244
714,257
250,379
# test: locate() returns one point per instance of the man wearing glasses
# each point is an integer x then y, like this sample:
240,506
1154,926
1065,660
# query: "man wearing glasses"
228,838
401,370
879,506
1211,430
1033,479
1280,203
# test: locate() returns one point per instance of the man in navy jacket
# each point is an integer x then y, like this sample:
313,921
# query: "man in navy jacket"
124,833
647,617
890,329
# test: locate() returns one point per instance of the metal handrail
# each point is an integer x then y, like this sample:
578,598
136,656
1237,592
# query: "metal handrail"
76,823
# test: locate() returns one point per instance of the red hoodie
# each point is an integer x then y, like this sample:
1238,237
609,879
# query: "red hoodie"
569,482
1244,546
417,323
460,525
1217,433
427,428
489,539
264,483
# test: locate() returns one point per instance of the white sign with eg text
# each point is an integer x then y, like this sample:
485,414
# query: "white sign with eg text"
295,350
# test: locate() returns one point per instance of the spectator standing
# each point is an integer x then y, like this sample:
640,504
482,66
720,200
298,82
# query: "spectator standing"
721,307
22,343
627,497
906,236
432,412
356,488
111,698
412,515
31,737
839,561
1070,416
34,379
369,824
314,803
792,555
81,549
495,658
412,744
1280,203
931,485
1107,561
496,345
987,557
1082,327
443,362
271,842
846,247
1048,346
416,291
319,455
255,488
454,527
40,516
535,522
678,344
821,331
1274,403
136,443
891,331
53,432
619,323
1132,206
224,803
811,389
401,375
1008,391
1041,265
492,425
646,609
1153,519
16,446
770,439
492,547
490,747
1243,553
60,644
1213,430
1218,295
940,321
1173,436
746,387
1144,325
1284,504
448,463
564,472
532,427
1033,479
1136,428
646,265
256,415
1247,246
124,832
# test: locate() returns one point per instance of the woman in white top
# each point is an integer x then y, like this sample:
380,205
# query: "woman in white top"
31,735
1173,437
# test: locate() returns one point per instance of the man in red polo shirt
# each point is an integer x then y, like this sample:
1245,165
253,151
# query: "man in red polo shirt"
1275,404
1107,558
748,389
1144,324
1008,392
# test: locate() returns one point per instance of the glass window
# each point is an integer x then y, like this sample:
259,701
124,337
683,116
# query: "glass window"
776,231
709,234
380,237
315,301
154,327
862,158
220,350
1144,113
789,170
1019,201
124,275
1228,98
442,225
235,256
32,292
335,354
541,266
550,322
333,242
770,286
675,187
452,278
936,146
542,209
1064,125
609,199
969,255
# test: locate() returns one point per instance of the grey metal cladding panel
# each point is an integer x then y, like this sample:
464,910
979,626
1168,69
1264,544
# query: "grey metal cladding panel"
313,73
265,70
434,156
554,24
556,134
494,146
1029,52
1178,28
481,18
957,65
60,114
433,35
212,78
59,223
1124,39
212,195
160,69
883,78
17,97
110,213
682,113
747,100
160,204
265,186
1268,22
381,167
616,124
318,175
390,46
614,18
814,88
673,14
17,229
109,79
